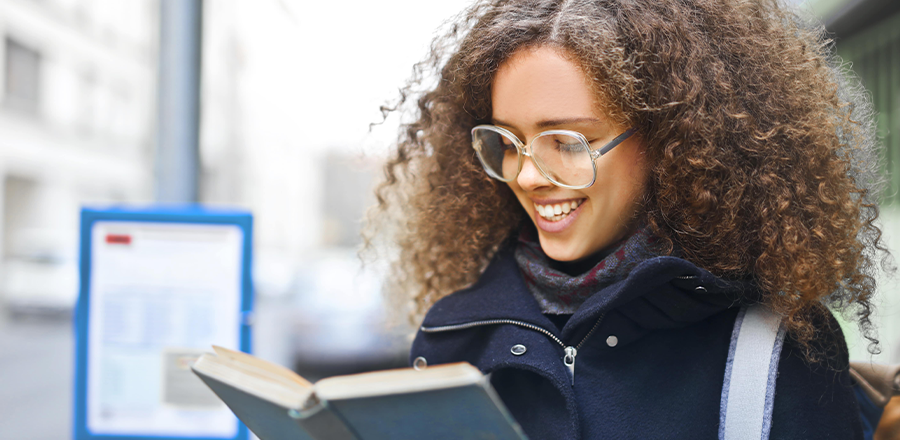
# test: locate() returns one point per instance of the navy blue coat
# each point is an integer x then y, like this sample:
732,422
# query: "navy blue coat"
650,361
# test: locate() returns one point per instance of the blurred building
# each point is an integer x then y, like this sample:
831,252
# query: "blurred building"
262,144
287,96
266,144
867,37
76,126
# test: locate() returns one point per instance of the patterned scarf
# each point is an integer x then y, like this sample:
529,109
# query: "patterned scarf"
562,294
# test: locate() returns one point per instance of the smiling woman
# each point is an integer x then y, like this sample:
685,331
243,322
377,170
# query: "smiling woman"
538,89
617,182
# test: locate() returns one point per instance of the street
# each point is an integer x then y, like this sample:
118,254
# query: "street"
36,371
36,356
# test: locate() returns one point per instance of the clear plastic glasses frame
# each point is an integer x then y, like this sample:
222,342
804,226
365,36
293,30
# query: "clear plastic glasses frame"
524,150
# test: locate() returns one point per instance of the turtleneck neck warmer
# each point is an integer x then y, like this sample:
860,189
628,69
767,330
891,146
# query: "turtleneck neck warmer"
558,293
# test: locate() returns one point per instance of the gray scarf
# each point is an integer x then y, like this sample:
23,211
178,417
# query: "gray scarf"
562,294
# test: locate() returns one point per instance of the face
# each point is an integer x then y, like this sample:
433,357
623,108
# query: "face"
539,89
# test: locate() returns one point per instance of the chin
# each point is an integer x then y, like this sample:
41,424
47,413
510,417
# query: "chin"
561,251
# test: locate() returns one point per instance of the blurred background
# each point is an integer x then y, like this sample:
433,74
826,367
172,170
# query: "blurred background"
287,91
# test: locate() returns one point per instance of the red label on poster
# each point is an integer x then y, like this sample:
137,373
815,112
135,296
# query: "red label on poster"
118,239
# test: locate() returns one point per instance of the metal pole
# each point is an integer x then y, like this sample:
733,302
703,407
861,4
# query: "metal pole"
178,130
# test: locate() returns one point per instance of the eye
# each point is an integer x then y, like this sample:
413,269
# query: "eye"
567,144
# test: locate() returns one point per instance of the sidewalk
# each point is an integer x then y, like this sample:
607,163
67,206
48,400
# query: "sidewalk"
36,378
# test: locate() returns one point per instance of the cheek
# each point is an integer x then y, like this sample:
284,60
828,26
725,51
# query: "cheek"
631,184
621,183
639,174
510,164
634,185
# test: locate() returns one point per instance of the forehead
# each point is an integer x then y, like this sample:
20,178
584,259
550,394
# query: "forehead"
541,84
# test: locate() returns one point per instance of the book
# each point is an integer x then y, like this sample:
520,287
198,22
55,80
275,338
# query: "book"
451,401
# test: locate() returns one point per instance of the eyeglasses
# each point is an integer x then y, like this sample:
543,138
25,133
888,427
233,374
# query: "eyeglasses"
564,157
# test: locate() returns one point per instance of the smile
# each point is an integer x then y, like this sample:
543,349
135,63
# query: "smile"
558,211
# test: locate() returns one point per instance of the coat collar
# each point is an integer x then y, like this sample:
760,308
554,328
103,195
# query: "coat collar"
660,292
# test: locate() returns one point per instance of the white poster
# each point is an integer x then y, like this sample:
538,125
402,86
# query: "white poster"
160,295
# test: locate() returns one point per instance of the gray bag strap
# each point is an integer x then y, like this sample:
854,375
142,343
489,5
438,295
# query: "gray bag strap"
747,394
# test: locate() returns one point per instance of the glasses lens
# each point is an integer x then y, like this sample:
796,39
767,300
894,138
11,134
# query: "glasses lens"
566,159
497,152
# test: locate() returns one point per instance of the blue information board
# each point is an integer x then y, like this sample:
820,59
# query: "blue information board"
158,287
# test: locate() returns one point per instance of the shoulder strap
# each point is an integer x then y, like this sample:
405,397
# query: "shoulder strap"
749,388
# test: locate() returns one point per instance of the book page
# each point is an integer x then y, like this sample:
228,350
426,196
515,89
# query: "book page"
279,372
398,381
160,295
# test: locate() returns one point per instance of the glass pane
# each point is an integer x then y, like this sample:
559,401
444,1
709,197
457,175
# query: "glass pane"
566,159
22,76
497,152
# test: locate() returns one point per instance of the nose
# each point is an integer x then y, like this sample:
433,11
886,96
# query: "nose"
530,178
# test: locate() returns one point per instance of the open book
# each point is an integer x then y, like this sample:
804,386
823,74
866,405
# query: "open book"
453,401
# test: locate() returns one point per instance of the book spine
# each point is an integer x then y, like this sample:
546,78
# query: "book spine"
322,423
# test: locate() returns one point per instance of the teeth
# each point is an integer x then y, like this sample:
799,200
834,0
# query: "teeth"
557,212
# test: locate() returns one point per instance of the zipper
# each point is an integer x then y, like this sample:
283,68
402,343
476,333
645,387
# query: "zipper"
569,350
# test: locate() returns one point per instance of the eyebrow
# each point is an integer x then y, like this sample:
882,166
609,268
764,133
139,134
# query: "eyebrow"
551,122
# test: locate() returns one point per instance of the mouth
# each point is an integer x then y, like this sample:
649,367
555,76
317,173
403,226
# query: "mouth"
557,211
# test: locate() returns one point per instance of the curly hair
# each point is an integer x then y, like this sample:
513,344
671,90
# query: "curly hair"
761,147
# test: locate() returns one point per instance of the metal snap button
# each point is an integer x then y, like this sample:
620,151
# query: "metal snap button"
420,363
700,289
518,349
612,340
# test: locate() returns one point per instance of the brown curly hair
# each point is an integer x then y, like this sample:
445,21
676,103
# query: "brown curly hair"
761,150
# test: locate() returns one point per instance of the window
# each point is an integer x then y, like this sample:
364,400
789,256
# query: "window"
22,77
874,52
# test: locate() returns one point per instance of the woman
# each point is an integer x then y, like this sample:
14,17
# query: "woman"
603,184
